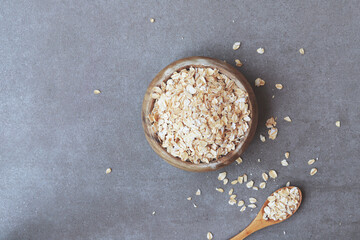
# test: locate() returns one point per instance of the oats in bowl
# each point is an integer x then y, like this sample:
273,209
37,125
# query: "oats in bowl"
199,114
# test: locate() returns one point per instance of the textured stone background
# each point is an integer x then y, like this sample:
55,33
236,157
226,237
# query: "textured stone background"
57,137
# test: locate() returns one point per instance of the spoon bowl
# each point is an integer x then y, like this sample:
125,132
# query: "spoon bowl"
260,223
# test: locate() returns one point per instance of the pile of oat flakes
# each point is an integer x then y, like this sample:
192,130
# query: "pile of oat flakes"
199,114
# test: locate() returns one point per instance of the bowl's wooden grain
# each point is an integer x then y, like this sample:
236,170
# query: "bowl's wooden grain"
224,68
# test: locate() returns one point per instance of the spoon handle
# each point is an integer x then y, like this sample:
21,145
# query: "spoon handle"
254,226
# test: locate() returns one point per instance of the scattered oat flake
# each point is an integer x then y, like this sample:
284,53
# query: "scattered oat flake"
233,196
337,123
259,160
238,63
252,205
198,192
236,45
287,118
270,123
240,179
245,177
232,201
262,185
222,176
265,176
288,184
273,133
273,174
188,198
97,91
250,184
153,213
209,236
262,138
255,188
259,82
231,191
225,181
252,200
243,208
260,50
240,203
152,20
313,171
195,206
301,51
287,154
311,161
234,182
239,160
219,190
284,163
279,86
108,170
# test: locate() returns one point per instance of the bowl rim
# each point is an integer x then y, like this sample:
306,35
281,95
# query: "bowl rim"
229,71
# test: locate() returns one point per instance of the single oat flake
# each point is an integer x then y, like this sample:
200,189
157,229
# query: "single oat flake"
265,176
287,155
260,50
232,201
240,203
250,184
238,63
209,236
279,86
152,20
239,160
313,171
225,181
195,206
262,138
240,179
252,200
273,174
219,190
231,191
236,45
252,205
273,133
262,185
337,123
97,91
287,118
270,123
108,170
189,198
255,188
311,161
243,208
245,177
288,184
234,182
198,192
259,82
301,51
284,163
221,176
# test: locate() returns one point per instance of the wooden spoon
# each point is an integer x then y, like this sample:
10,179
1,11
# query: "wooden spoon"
260,223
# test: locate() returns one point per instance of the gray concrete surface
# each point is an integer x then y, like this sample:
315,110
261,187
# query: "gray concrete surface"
57,137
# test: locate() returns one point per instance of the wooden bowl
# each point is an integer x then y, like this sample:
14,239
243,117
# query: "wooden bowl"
230,72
